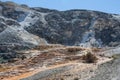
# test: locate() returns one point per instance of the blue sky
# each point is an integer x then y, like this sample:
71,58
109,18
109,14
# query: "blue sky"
109,6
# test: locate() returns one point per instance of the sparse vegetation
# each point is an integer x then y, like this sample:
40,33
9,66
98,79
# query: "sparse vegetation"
62,79
3,68
57,79
2,60
89,58
44,47
74,49
76,78
71,58
95,49
116,56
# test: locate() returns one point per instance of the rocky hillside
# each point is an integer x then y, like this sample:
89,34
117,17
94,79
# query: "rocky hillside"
13,19
22,25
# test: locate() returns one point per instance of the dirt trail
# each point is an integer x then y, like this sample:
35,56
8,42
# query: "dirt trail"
42,72
53,68
24,75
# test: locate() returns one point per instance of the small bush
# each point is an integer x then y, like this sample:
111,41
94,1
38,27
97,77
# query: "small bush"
76,78
89,58
62,79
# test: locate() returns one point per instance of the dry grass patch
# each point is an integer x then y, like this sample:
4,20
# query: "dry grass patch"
96,49
72,58
3,68
74,49
44,47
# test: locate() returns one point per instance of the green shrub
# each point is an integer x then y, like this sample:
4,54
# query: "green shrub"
89,58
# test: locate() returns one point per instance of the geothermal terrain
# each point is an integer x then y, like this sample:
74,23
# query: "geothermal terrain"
43,44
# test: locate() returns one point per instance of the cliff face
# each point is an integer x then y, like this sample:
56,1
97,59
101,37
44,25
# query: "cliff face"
24,25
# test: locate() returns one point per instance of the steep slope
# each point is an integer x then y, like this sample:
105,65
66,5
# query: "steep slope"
78,27
13,20
73,27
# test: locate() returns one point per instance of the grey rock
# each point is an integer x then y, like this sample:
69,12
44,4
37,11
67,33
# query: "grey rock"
108,71
21,24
